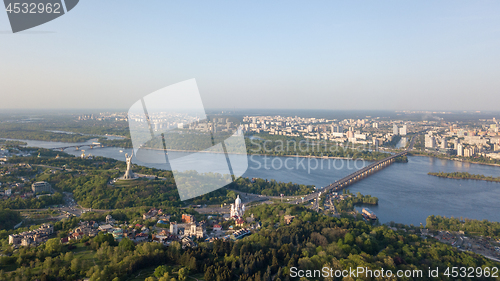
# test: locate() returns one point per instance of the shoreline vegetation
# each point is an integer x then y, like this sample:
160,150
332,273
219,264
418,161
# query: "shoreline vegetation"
465,176
470,226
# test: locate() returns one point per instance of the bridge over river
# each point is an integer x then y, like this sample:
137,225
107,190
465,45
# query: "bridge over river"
78,146
358,175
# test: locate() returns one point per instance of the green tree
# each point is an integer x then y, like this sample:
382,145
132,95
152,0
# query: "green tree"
53,246
160,271
183,273
210,274
126,244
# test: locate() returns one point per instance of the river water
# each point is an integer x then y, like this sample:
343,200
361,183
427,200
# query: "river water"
407,194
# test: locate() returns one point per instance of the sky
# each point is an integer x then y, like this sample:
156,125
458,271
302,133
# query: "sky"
321,54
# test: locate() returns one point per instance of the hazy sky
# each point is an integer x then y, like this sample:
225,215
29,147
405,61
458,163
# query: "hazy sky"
438,55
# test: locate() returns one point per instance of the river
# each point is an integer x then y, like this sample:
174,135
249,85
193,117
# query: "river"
407,194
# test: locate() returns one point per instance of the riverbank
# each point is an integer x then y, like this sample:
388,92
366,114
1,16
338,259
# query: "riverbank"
444,157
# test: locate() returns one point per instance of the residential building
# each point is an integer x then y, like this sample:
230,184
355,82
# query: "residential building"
402,130
35,237
460,149
41,187
430,141
188,218
174,228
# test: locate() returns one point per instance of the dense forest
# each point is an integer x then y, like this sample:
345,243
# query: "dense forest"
270,188
32,131
53,128
475,227
16,202
8,218
465,176
311,241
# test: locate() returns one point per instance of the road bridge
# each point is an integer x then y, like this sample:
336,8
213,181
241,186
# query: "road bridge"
358,175
78,146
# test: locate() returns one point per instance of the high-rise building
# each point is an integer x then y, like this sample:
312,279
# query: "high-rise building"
444,143
395,130
402,130
430,141
375,144
460,150
375,125
469,151
336,129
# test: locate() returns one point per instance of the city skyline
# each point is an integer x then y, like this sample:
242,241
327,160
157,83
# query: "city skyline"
383,56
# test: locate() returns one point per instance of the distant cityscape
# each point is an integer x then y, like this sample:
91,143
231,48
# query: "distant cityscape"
452,138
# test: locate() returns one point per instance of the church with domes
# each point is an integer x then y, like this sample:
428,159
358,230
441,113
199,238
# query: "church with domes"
237,209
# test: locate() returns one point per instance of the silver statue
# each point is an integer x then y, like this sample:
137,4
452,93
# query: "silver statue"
129,174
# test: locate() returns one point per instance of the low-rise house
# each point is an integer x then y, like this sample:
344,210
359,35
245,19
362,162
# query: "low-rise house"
240,234
164,218
160,238
141,237
105,227
187,243
86,228
240,222
150,214
110,219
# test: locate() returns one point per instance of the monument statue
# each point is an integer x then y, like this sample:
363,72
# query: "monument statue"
128,173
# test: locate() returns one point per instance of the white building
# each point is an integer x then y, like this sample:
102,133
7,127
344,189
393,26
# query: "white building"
237,209
402,130
395,129
430,141
444,143
460,149
173,228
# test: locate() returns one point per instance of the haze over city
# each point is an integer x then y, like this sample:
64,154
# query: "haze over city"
285,54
